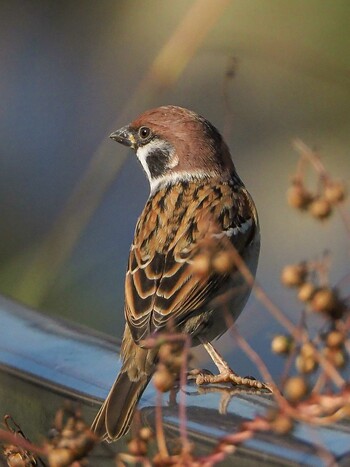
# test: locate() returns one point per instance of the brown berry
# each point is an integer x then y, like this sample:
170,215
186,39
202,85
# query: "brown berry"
306,292
60,457
335,339
281,345
145,433
293,275
335,192
295,388
325,300
18,459
282,424
163,380
226,448
137,447
298,197
305,364
307,350
320,208
222,262
201,264
335,356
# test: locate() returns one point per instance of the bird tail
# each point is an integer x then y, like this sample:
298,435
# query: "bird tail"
115,415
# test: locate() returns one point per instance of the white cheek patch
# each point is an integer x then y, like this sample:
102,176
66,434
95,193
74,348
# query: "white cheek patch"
142,153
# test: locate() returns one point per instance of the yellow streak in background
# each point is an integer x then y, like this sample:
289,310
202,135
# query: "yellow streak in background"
165,70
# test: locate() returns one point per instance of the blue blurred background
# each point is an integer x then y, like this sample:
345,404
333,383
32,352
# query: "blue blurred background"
71,72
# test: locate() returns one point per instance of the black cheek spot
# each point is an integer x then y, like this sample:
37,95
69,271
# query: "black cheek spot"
158,161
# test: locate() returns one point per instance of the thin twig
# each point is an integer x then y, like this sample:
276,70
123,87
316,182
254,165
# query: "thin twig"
13,438
312,156
182,403
163,450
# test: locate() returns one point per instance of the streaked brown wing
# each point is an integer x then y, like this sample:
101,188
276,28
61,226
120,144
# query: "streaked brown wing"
159,282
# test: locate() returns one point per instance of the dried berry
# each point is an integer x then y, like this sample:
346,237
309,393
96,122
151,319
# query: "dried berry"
145,433
282,424
305,364
163,380
226,448
293,275
295,388
306,292
325,300
298,197
282,345
18,457
335,339
60,457
335,192
201,264
137,447
336,356
307,350
320,208
222,262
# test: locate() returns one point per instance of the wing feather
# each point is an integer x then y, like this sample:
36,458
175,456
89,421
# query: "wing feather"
160,282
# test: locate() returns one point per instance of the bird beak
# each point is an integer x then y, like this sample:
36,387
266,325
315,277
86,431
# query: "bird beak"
124,136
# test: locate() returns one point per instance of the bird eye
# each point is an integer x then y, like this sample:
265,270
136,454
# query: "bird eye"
144,132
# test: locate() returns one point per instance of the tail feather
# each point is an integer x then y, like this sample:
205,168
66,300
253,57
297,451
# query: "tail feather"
115,415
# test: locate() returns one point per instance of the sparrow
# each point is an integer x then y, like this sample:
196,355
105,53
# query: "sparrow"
193,182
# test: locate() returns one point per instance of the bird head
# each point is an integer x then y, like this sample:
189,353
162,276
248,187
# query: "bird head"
173,143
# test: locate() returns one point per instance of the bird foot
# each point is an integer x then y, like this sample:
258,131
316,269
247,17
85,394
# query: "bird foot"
228,376
193,375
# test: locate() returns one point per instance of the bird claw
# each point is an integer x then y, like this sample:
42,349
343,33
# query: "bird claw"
197,373
202,377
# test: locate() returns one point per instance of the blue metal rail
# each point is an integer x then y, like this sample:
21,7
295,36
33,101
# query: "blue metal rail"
76,361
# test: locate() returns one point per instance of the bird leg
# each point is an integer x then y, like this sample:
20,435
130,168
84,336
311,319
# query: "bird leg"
226,374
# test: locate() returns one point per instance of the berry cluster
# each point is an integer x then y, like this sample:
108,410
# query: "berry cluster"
320,298
321,202
320,205
70,440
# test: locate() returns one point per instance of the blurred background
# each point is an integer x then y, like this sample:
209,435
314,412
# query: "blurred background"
71,72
